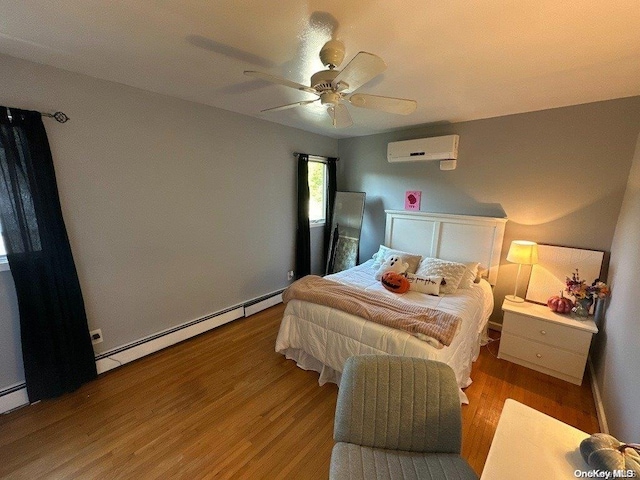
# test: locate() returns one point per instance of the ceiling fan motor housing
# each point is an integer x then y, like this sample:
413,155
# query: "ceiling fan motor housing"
323,80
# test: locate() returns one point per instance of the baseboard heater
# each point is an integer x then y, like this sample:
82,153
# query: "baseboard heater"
262,303
13,397
16,395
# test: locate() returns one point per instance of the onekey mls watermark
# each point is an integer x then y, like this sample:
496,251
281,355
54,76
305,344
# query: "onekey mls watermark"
605,474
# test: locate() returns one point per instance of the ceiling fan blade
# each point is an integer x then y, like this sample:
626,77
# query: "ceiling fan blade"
290,105
361,69
279,81
340,116
400,106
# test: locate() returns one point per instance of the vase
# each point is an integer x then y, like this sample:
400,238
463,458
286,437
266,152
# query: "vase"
598,311
583,305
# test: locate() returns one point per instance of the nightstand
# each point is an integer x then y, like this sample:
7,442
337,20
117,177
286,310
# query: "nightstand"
535,337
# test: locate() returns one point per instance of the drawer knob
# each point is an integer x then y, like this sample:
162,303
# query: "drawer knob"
543,332
539,355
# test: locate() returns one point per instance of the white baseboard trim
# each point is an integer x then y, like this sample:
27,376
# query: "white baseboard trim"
495,326
597,398
15,396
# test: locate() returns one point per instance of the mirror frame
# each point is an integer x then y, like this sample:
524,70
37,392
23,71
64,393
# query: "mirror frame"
346,228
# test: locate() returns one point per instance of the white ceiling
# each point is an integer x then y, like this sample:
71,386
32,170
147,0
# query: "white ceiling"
460,59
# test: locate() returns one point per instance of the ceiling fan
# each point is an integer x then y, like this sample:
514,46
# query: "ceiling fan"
334,87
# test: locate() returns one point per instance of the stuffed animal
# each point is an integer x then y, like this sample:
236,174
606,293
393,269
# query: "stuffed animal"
392,264
604,452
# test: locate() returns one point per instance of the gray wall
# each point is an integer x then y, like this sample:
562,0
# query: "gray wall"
558,175
174,210
616,352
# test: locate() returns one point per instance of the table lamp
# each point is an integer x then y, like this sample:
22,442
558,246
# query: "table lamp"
522,252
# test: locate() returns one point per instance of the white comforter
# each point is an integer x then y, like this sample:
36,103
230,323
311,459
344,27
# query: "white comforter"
321,338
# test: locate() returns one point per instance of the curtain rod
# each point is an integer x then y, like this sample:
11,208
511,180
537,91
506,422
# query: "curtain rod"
295,154
60,117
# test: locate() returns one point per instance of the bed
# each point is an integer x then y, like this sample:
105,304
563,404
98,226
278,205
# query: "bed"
321,338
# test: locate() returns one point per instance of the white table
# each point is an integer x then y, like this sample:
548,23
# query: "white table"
531,445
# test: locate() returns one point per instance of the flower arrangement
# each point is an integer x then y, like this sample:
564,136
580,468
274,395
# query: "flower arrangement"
580,290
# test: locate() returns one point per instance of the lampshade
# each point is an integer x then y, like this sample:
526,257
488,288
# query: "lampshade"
523,252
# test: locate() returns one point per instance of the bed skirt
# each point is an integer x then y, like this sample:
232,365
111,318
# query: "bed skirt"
329,375
308,362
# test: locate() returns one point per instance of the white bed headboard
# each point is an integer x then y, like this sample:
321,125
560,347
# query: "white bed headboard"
459,238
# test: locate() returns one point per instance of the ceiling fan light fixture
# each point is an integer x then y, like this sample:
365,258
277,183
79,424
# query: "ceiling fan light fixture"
330,98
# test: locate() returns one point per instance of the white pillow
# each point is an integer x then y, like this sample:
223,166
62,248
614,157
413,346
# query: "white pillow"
428,285
470,275
385,252
451,272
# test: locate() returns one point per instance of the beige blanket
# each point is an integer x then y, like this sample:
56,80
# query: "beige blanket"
376,307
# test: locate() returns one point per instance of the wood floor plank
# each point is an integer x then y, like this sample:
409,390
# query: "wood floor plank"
225,405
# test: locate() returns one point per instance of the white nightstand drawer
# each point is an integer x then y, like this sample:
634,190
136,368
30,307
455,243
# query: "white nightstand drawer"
552,358
547,332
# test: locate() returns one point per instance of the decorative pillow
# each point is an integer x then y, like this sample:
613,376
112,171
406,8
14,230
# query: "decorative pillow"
451,272
395,282
385,252
428,285
470,275
392,264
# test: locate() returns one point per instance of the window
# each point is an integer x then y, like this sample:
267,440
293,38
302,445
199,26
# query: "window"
3,253
317,192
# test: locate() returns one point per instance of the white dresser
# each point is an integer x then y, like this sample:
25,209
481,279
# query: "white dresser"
536,337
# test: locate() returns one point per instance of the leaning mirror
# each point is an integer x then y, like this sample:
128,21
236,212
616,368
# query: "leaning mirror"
346,225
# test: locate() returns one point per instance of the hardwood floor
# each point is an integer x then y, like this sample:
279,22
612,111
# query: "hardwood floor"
225,405
495,380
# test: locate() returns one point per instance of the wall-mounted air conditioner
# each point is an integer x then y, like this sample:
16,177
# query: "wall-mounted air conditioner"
426,149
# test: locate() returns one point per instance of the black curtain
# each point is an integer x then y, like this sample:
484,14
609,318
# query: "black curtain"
303,235
56,347
332,187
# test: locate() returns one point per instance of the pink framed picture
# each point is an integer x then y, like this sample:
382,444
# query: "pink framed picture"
412,200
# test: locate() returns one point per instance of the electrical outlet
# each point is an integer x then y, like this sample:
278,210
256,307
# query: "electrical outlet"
290,275
96,336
